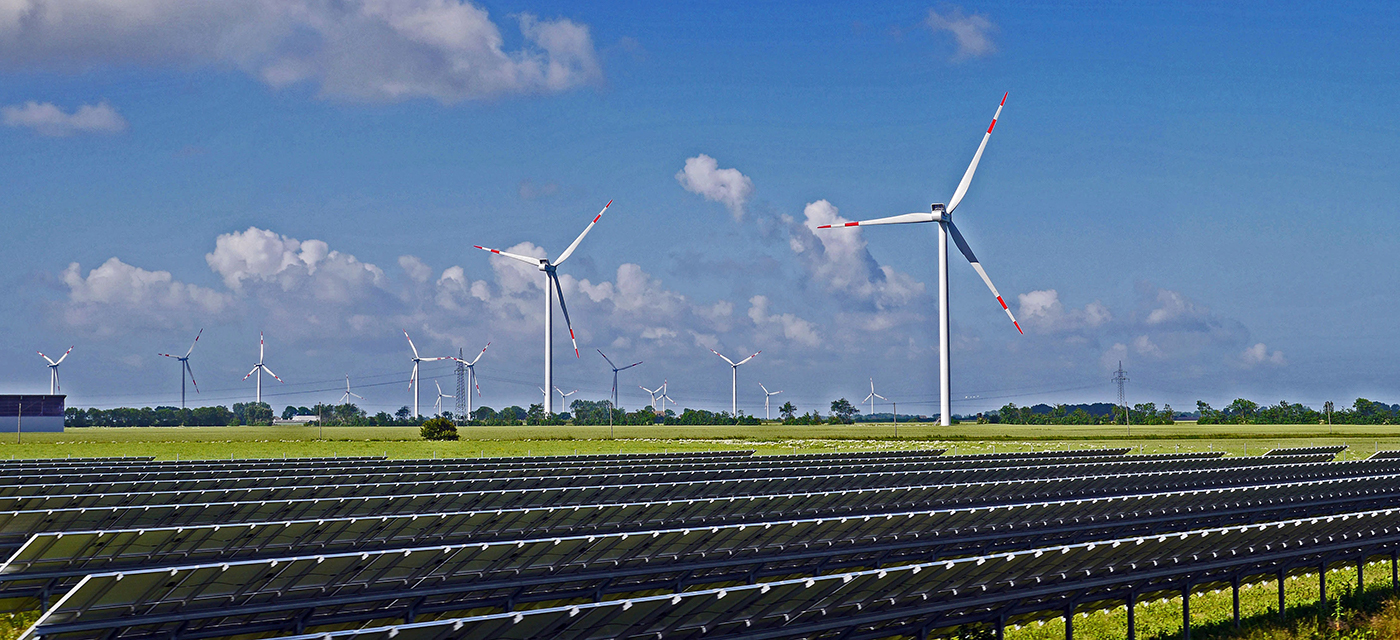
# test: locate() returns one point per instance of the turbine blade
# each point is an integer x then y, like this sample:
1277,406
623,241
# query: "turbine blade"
629,366
478,356
976,158
260,346
439,387
562,307
967,253
605,357
570,251
50,360
196,341
878,396
57,385
160,354
410,344
867,398
64,356
250,373
747,359
765,389
903,218
731,362
269,372
191,372
526,259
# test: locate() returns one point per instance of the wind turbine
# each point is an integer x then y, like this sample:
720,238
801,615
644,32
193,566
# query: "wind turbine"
615,369
665,397
345,399
653,393
185,368
734,381
551,287
413,379
53,369
259,368
437,407
471,377
563,395
871,398
943,215
766,395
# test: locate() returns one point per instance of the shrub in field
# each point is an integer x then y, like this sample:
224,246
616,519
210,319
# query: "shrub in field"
438,429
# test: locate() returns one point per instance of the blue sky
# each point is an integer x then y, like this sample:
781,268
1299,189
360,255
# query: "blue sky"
1204,192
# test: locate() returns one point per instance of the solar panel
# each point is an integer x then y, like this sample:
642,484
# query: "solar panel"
1305,451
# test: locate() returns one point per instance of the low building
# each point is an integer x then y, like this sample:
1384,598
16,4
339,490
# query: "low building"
31,413
296,420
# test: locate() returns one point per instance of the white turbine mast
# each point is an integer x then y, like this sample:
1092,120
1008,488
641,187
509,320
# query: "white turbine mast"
53,369
766,395
665,397
259,368
185,368
734,381
345,399
471,377
551,288
413,378
437,406
943,215
871,398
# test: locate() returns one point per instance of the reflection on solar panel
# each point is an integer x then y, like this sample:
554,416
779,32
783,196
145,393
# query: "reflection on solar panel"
727,544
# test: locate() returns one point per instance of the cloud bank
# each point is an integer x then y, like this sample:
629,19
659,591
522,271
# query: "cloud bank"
46,119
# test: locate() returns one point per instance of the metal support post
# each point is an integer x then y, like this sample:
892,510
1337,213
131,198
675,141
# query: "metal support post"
1069,622
1360,582
1395,571
1322,586
1186,612
1132,622
1235,583
1282,611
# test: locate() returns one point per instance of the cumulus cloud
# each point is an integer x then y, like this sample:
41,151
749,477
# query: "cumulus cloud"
378,50
729,187
262,257
792,327
49,120
972,33
1043,312
415,268
117,294
1259,354
841,262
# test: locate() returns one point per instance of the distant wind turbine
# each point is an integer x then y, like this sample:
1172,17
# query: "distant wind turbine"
471,377
665,396
413,379
53,369
734,381
943,215
185,368
563,396
552,287
766,395
345,399
437,406
871,398
653,393
259,368
615,369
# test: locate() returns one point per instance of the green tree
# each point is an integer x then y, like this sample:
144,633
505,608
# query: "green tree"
438,429
843,410
787,411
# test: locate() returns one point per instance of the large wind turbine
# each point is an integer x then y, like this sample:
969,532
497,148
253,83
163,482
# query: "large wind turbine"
734,381
345,399
871,398
665,396
185,368
943,215
552,287
766,395
471,377
653,393
413,379
53,369
259,368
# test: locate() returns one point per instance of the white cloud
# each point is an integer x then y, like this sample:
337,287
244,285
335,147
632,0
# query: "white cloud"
729,187
117,293
793,327
973,33
1259,355
262,257
1144,346
415,268
48,120
1042,311
840,261
447,50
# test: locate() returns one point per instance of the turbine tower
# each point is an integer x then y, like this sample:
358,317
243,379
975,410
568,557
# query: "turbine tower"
766,395
734,381
437,406
185,368
552,287
259,368
943,215
871,398
615,369
471,378
413,379
665,397
53,369
345,399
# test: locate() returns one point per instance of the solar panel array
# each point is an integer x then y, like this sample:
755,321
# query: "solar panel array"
719,544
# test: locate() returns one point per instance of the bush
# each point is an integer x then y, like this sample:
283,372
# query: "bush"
439,429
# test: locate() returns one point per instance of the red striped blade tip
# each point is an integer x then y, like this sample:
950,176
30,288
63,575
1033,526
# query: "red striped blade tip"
1018,327
824,226
609,204
1003,98
852,224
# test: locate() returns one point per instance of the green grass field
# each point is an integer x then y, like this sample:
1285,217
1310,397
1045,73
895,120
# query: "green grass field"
1156,620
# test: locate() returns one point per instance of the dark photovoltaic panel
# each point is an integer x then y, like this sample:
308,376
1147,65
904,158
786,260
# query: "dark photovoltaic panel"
1306,451
1389,453
901,600
379,584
